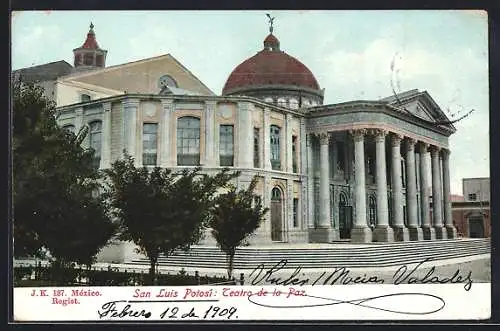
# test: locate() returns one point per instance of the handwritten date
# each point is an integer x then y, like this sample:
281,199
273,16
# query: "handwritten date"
123,309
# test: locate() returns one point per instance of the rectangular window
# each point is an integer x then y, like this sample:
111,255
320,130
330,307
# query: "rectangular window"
340,156
295,212
256,148
95,136
149,144
188,141
226,145
294,154
275,148
472,196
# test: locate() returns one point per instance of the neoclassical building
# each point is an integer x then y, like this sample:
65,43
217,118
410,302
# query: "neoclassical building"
366,170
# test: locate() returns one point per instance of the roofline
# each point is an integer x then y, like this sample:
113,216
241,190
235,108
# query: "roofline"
199,98
189,71
297,88
320,110
44,64
114,67
89,86
127,64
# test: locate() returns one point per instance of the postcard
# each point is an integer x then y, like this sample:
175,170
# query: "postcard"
250,166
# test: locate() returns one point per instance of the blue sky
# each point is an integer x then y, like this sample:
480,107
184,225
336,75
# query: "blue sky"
349,52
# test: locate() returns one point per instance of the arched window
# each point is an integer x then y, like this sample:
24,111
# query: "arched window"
276,194
95,134
269,100
69,128
372,212
294,103
306,103
167,81
282,102
188,141
275,147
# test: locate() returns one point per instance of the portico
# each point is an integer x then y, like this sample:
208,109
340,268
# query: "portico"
395,190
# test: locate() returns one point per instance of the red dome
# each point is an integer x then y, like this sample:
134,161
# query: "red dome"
270,67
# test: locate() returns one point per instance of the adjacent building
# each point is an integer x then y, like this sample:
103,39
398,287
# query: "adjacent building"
362,170
471,212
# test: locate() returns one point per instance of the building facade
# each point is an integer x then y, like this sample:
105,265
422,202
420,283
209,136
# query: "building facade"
361,171
471,212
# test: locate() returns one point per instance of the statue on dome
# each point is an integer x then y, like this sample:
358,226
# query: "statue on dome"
271,21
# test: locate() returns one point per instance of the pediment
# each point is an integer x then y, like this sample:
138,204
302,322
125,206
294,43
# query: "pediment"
421,105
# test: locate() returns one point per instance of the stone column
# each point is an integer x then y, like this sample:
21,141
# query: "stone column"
436,195
106,136
289,145
130,109
323,233
427,229
245,136
266,202
360,233
310,181
383,232
304,185
287,235
400,231
411,192
209,133
448,218
78,120
267,137
166,157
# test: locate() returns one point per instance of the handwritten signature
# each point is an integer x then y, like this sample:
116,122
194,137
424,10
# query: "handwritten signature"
343,276
428,303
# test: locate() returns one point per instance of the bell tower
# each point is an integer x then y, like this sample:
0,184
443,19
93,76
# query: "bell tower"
89,56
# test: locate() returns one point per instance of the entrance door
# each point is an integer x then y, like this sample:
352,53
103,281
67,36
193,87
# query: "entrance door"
276,215
345,218
476,229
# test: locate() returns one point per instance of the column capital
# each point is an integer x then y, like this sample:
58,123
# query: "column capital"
130,103
244,106
106,106
324,138
423,147
267,111
167,103
434,150
79,111
380,135
396,139
358,134
410,144
445,153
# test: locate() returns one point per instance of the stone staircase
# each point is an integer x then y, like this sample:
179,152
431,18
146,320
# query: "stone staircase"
339,255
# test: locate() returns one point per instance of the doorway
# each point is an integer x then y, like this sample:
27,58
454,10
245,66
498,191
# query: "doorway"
276,215
476,228
345,217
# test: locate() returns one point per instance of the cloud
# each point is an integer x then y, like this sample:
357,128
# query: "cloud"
457,80
28,42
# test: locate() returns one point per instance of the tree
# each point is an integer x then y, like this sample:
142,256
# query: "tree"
159,210
55,203
235,216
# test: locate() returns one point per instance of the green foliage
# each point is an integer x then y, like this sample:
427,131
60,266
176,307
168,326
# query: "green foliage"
159,210
54,185
236,215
